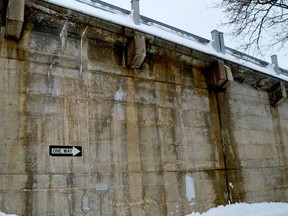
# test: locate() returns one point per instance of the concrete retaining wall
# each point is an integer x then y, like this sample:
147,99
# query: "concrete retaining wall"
255,140
156,140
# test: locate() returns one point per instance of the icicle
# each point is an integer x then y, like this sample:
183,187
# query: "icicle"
54,62
63,35
81,47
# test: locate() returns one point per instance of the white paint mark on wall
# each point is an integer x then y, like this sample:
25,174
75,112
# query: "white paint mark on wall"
70,196
102,187
119,110
85,203
231,185
190,188
120,95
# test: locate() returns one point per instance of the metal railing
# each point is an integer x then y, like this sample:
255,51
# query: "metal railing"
105,4
149,21
246,57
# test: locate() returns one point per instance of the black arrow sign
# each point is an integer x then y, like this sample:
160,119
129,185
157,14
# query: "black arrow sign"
65,151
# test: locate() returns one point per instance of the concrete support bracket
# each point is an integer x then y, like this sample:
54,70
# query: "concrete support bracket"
14,18
136,51
221,76
277,94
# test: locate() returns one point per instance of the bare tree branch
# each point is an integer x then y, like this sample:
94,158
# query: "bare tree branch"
257,20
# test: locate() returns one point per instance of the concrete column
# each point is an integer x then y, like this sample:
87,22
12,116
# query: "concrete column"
135,9
14,18
136,51
133,151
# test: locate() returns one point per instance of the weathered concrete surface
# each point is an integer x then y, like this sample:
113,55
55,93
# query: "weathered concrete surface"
144,131
14,18
136,51
255,143
139,144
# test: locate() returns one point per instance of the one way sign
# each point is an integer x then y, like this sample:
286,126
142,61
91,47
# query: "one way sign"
65,151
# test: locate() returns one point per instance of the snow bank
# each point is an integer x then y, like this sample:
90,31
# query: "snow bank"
244,209
3,214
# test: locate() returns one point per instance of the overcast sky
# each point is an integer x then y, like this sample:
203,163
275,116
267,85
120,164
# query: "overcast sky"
199,17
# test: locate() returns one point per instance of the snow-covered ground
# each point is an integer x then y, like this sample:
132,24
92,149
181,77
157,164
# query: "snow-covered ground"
239,209
3,214
243,209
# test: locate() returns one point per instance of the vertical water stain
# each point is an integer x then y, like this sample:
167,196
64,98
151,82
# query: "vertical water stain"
28,138
31,181
278,136
50,197
218,177
281,149
70,182
232,160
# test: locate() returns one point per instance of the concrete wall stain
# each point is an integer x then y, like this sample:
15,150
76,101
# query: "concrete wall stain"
142,130
230,151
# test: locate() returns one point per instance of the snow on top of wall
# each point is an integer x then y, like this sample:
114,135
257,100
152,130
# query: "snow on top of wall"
124,19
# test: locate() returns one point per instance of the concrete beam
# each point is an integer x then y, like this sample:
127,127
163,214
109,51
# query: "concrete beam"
136,51
277,94
14,18
220,76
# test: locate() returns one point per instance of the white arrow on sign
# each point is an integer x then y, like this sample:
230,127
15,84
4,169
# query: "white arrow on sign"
75,151
62,151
